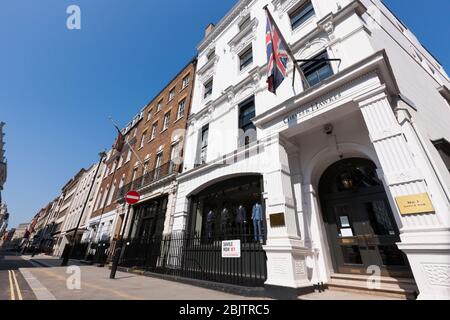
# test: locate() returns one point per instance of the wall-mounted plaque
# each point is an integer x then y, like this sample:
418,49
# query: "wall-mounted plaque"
415,204
277,220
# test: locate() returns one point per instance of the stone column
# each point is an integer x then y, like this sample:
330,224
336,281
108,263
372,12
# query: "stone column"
286,254
425,238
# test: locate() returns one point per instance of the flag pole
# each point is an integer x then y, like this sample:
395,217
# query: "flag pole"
126,141
288,49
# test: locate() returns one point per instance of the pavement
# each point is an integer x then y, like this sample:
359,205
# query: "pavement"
42,278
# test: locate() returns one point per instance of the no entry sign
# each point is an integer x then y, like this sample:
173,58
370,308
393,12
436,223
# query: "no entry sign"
132,197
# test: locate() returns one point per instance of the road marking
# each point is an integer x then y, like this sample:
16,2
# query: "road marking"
11,286
19,294
39,290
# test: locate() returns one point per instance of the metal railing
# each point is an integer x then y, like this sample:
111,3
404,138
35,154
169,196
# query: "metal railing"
163,171
197,257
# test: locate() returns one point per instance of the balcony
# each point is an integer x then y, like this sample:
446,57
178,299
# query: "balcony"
164,173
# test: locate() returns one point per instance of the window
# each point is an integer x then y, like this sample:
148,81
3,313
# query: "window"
104,197
143,139
120,162
145,169
318,69
149,115
301,15
106,173
247,130
111,194
122,182
211,55
99,200
443,147
114,167
159,106
186,81
208,89
154,130
171,94
133,177
181,108
129,155
246,58
175,157
203,145
166,121
158,163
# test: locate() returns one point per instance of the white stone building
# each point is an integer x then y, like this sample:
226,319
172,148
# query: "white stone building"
101,227
84,190
68,194
333,163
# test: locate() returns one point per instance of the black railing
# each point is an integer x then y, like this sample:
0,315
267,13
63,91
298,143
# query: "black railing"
98,252
95,252
199,258
150,177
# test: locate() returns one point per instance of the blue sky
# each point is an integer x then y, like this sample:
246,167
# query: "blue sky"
58,87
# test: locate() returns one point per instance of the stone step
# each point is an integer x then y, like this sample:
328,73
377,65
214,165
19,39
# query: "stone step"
390,287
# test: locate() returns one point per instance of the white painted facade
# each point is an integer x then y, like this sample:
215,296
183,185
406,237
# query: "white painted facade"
386,102
100,228
76,208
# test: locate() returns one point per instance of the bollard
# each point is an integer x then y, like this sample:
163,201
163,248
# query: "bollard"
115,263
66,255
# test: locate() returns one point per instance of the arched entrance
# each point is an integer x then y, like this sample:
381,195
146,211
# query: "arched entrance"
361,228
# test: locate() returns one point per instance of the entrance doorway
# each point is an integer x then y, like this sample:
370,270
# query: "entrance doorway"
361,228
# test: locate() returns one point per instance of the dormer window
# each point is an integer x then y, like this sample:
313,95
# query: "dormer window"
300,15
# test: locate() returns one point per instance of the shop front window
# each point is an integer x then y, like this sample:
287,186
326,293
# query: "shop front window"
230,210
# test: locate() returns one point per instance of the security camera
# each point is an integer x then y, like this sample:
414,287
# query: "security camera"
328,129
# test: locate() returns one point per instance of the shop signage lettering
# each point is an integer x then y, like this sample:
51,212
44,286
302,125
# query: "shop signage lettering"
415,204
231,249
312,108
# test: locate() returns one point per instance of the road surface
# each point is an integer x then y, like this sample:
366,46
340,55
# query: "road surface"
12,283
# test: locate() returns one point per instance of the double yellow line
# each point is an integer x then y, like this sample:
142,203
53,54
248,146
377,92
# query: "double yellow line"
14,286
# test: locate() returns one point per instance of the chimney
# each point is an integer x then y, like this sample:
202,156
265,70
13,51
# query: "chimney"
209,29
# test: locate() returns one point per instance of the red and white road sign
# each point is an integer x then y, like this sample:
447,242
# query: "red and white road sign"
132,197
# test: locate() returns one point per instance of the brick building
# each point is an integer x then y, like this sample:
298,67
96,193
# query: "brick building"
156,136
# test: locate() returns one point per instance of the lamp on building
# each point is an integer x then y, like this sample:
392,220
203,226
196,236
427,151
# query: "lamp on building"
347,181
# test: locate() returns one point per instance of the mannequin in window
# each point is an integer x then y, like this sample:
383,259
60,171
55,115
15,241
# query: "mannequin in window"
241,220
226,220
257,221
210,221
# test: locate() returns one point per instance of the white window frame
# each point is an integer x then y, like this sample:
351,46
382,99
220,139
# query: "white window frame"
166,121
182,102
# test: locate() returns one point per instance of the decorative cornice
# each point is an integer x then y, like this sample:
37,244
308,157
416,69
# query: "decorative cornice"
244,37
211,64
231,15
283,6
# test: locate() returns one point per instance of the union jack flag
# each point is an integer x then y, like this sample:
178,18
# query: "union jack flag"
277,56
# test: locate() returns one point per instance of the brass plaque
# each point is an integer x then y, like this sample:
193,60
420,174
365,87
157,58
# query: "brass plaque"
277,220
348,241
415,204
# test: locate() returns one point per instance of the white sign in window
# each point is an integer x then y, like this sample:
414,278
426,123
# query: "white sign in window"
231,249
